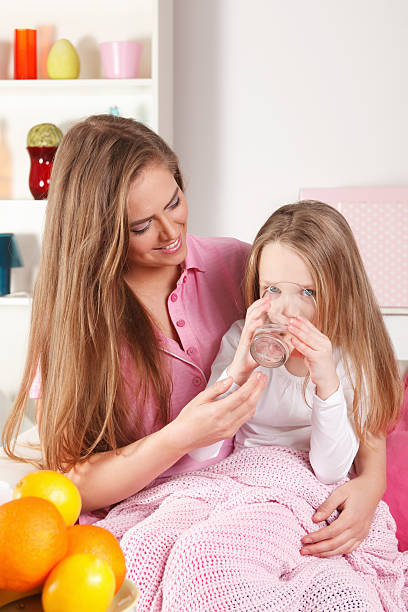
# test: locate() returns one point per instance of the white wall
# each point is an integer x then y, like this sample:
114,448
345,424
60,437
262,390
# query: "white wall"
274,95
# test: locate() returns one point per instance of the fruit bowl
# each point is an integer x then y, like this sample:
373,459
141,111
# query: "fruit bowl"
124,601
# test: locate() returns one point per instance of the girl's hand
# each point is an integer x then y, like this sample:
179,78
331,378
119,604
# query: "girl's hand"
204,421
356,501
317,351
243,364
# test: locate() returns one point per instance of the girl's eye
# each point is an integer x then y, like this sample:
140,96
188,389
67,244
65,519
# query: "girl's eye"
309,292
141,230
273,289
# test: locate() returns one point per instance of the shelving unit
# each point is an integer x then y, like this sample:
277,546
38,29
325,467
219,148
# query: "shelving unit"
73,87
64,102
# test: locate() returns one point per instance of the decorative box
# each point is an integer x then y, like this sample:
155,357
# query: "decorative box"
378,217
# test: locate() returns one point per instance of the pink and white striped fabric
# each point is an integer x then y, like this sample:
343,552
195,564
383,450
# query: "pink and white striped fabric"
227,537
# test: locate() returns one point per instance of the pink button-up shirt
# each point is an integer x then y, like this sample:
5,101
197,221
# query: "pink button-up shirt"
202,307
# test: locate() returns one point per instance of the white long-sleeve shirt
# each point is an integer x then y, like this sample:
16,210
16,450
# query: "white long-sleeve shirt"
322,427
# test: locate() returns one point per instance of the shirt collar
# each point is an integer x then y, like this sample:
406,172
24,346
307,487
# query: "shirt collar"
194,259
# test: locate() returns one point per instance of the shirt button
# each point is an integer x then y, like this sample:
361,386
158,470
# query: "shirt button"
180,323
196,381
173,297
190,350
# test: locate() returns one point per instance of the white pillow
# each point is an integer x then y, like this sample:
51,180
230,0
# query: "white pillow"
11,471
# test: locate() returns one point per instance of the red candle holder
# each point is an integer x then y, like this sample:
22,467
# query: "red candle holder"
25,54
40,171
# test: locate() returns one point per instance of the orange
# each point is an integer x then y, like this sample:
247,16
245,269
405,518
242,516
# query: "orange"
54,487
80,583
33,538
100,542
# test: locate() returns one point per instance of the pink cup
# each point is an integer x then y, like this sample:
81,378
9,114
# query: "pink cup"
121,59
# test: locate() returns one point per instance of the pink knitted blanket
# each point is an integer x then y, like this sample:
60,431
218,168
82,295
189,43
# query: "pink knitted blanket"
228,537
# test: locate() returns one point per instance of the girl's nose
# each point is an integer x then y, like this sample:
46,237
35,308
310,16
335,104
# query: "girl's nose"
288,306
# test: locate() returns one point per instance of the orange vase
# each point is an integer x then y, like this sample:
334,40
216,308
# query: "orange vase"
25,54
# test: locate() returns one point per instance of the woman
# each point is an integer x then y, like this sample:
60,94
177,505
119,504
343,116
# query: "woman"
128,313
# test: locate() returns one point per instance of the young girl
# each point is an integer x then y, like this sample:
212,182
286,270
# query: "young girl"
229,537
341,380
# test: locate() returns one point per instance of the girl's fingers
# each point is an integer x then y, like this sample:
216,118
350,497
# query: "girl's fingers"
305,324
249,330
308,337
335,501
328,545
255,314
303,348
301,321
262,303
254,323
346,549
326,533
315,341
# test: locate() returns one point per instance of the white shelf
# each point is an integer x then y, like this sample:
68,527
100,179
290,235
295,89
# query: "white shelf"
394,311
22,216
11,300
19,202
55,87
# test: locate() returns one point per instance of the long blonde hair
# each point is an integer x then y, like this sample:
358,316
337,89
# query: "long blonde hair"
84,315
347,311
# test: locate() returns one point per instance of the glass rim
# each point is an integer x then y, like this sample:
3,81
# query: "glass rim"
272,326
278,283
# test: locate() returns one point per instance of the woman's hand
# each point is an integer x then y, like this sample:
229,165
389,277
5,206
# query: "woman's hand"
243,364
317,351
204,421
356,501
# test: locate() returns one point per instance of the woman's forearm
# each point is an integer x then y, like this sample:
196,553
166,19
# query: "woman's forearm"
109,477
106,478
371,461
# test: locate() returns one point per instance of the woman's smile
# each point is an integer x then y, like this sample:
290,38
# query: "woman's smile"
171,248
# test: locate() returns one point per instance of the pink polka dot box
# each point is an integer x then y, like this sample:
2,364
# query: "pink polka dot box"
378,217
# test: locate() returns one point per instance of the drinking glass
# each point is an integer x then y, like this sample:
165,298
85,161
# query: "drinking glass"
271,345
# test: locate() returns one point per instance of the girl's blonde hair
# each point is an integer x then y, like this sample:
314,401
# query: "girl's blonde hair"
84,315
347,309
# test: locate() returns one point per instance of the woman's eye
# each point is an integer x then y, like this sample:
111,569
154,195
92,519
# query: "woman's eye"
142,229
309,292
273,289
174,204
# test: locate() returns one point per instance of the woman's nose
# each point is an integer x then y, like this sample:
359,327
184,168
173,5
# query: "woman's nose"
168,229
